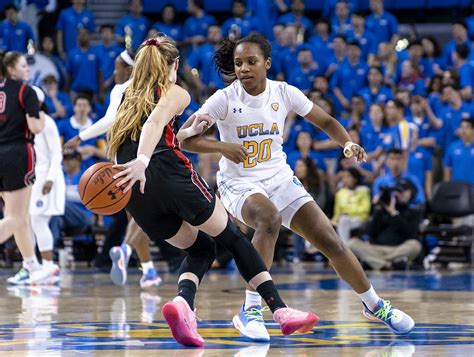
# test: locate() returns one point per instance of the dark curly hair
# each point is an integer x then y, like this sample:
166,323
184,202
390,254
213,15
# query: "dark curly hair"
224,56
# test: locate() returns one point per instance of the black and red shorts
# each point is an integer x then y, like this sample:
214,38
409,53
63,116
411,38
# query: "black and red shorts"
17,166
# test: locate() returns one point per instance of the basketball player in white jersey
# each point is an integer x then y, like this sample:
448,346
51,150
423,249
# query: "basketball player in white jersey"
135,237
256,184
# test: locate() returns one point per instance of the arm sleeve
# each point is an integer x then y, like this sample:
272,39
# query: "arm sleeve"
297,101
55,149
216,106
103,124
31,102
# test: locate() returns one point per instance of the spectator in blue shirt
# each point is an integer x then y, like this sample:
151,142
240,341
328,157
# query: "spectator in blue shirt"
69,22
381,23
321,40
465,70
366,39
84,66
329,7
376,91
107,52
402,134
396,171
349,78
459,35
420,165
452,114
91,150
338,55
168,25
470,23
296,17
267,13
58,102
288,56
201,60
196,25
304,148
341,22
304,73
132,29
15,33
459,159
411,79
373,132
427,123
432,61
48,50
240,25
278,44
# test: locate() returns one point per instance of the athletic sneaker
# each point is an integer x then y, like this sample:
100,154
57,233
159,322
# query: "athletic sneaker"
20,278
182,322
250,323
44,276
120,258
399,322
149,279
291,320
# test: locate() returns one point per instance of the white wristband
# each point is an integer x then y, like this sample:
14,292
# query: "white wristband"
347,149
188,132
143,158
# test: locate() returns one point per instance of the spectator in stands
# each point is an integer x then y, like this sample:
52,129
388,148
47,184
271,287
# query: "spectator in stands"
329,7
341,22
420,165
296,18
196,26
240,25
84,66
48,50
76,216
434,96
381,23
465,70
366,39
200,62
107,51
168,24
58,102
267,13
470,23
396,170
358,113
132,29
288,56
352,204
459,158
373,132
91,150
411,79
387,60
321,40
339,54
376,91
304,73
304,148
393,231
278,44
15,34
432,62
349,78
69,22
452,114
459,35
428,124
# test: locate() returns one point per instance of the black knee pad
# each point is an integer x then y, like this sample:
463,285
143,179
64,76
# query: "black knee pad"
200,256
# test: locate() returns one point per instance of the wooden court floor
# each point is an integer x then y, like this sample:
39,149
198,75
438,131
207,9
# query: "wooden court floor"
88,315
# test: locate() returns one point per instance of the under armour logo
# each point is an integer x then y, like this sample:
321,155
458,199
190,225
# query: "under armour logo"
238,110
112,195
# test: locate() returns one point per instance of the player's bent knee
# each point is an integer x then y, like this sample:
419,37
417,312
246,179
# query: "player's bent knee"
269,222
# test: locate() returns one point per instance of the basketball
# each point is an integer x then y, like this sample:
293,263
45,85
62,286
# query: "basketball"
98,192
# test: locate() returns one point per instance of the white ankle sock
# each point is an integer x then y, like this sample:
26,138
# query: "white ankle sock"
31,263
252,298
146,266
370,298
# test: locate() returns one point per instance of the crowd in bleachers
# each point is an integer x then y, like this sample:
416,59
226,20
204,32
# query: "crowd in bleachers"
408,103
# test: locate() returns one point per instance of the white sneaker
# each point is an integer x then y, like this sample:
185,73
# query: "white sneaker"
20,278
250,323
45,275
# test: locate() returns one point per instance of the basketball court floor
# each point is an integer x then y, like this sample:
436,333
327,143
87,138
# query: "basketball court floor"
88,315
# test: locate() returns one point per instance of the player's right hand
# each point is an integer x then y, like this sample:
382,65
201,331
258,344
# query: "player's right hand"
234,152
201,123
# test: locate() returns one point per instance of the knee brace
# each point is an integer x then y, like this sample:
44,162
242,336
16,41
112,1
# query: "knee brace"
200,256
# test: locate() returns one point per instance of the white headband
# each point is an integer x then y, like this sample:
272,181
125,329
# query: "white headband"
126,58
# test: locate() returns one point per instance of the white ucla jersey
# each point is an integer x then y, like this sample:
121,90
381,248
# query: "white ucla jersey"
259,129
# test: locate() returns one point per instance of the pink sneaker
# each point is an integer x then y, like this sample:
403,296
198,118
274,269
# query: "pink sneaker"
182,322
291,320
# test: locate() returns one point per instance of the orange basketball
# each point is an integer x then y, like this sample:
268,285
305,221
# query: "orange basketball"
98,192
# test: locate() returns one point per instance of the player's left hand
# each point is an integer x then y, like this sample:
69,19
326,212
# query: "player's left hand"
131,172
355,150
48,185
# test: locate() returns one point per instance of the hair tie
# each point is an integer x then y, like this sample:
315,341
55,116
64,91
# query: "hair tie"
152,42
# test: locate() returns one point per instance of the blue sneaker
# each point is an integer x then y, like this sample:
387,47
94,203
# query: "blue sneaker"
20,278
250,323
119,257
399,322
149,279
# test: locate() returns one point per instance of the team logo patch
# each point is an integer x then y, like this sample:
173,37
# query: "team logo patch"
297,182
275,106
237,110
39,203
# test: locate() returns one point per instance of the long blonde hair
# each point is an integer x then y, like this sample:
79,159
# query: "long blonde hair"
151,69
